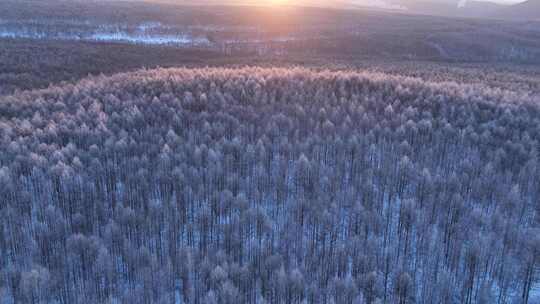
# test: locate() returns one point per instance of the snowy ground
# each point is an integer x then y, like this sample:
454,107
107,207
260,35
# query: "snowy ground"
147,33
135,38
150,39
151,33
535,294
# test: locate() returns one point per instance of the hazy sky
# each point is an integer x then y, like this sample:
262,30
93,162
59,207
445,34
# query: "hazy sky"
388,4
322,2
375,1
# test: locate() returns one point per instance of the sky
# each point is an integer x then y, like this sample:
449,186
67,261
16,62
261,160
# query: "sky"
374,2
385,4
362,2
322,2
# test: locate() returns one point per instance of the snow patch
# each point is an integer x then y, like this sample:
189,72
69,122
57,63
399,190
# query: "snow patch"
149,39
534,294
178,40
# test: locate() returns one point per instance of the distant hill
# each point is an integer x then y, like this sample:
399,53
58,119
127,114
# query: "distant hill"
526,10
450,8
479,9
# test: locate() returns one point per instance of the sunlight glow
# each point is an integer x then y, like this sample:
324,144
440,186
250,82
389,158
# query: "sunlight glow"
278,2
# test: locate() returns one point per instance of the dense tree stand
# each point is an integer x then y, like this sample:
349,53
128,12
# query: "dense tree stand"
268,186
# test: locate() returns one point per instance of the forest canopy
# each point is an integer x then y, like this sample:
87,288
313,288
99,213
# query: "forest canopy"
268,186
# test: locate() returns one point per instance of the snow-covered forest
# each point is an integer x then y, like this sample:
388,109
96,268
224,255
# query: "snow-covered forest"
269,186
